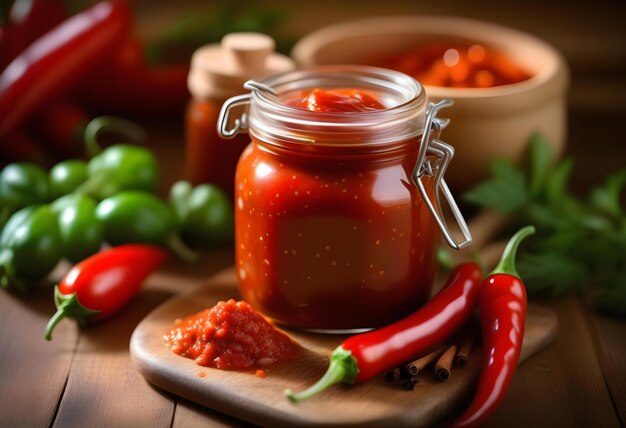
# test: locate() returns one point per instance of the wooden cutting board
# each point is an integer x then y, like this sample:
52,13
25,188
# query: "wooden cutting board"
261,400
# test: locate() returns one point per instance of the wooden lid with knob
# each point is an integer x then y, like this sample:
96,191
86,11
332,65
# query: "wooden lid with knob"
218,71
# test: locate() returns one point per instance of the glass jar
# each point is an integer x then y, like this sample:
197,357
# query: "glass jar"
208,158
218,72
335,225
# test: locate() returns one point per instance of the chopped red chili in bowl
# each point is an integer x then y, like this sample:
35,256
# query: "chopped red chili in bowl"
230,336
457,66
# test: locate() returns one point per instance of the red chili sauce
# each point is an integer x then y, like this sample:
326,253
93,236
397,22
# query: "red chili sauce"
333,241
230,336
336,101
457,66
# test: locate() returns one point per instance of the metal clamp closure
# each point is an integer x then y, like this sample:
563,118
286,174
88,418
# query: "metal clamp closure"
241,123
444,152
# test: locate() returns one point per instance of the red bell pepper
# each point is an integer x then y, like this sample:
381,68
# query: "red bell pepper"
57,59
502,305
361,357
102,284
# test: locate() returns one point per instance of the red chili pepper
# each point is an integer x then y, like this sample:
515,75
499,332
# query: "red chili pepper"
33,18
102,284
26,22
57,59
62,126
129,86
361,357
502,305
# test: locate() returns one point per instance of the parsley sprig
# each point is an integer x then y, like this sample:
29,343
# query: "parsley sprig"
580,244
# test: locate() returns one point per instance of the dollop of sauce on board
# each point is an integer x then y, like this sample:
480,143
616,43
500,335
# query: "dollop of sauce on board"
230,336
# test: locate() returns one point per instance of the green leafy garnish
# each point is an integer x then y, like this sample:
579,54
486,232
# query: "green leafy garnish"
506,192
580,244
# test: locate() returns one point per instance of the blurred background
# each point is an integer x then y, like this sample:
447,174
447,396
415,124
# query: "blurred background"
591,36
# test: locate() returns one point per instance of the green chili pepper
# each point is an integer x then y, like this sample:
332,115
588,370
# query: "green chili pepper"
80,230
22,184
29,246
204,212
179,194
66,176
119,167
139,217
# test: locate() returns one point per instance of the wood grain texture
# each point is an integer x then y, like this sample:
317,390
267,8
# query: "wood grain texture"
610,334
192,415
33,371
103,390
262,401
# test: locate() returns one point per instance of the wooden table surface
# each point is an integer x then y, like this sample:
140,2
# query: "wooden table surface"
84,378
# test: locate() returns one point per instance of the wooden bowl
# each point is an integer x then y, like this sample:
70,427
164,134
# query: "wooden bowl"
487,123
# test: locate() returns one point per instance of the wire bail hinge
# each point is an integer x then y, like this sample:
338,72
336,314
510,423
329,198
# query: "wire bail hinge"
443,153
241,123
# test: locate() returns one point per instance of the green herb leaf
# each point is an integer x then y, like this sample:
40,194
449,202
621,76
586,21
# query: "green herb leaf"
607,198
506,192
541,156
579,243
551,273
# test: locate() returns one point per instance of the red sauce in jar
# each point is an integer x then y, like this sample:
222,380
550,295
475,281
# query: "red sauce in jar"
336,101
333,237
457,66
230,336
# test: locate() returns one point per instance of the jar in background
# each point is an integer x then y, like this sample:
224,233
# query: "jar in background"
336,228
217,73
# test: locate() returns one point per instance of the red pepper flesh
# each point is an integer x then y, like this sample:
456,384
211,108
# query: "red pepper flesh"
57,59
361,357
102,284
502,305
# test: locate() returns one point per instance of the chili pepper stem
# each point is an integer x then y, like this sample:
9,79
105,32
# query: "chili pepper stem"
178,247
68,306
342,368
110,123
507,261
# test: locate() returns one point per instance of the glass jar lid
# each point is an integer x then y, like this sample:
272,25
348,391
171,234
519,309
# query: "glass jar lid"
273,120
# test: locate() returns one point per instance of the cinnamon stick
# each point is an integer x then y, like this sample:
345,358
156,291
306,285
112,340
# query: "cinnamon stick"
466,346
444,363
414,367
